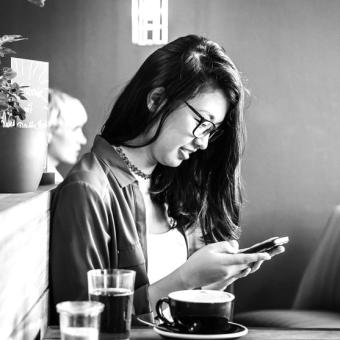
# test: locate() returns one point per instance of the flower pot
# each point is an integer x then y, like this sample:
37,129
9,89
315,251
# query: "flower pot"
22,159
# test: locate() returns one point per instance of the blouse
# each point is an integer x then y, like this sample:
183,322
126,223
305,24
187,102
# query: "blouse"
97,221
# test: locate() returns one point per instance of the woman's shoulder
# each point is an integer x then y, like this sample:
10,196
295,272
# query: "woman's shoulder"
87,170
87,175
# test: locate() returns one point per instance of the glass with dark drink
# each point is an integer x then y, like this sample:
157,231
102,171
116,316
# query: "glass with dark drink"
114,288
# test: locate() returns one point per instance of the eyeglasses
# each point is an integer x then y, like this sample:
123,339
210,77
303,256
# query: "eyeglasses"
205,127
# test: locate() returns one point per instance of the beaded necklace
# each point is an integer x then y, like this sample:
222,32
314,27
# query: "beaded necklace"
131,166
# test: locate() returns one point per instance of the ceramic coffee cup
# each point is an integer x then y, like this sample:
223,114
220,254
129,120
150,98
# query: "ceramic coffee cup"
197,311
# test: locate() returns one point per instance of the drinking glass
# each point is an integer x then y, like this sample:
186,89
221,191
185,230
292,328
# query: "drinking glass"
114,288
79,320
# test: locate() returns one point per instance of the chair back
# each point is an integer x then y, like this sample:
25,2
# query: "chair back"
319,287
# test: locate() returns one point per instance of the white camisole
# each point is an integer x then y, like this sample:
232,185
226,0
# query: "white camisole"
166,252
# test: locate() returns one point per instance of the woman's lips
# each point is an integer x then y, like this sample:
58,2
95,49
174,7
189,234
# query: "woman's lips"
185,153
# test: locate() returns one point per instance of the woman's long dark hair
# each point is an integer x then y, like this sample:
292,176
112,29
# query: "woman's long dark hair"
205,189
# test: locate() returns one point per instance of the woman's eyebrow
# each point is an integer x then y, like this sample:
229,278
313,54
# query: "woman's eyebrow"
208,115
211,117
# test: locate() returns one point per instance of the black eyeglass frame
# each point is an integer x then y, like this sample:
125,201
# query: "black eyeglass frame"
213,134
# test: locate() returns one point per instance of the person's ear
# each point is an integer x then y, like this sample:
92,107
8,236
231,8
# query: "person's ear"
156,99
51,130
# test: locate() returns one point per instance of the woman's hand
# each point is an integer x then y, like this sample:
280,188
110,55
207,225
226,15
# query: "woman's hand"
252,268
218,262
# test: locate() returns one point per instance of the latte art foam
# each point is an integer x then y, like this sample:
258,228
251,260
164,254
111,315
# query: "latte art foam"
201,296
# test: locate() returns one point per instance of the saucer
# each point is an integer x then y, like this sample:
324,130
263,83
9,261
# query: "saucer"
236,331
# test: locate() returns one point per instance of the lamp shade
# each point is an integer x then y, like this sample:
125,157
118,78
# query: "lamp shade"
149,22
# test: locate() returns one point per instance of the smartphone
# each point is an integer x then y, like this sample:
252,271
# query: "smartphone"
266,246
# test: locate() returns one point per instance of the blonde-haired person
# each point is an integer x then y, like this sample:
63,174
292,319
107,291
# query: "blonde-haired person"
66,118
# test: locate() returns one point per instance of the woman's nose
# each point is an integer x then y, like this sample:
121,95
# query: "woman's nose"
202,142
82,138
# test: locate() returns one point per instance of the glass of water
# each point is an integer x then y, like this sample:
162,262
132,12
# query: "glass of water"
79,320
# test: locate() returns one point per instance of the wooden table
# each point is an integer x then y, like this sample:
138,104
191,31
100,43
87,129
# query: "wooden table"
253,334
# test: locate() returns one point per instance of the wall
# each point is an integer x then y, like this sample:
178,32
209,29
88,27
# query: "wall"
289,53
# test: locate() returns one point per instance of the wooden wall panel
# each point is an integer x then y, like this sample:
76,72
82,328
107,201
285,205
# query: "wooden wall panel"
34,324
24,242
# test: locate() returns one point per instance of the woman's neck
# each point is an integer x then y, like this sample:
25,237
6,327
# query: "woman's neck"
140,158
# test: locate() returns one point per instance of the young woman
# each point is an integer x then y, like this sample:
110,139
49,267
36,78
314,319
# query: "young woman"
160,190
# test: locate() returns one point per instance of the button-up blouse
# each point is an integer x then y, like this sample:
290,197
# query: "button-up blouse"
98,221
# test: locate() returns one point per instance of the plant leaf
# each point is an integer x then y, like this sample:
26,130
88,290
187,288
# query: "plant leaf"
21,113
11,38
39,3
6,50
8,73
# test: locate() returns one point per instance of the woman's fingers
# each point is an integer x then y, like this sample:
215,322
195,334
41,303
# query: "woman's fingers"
256,266
230,247
277,250
245,259
243,273
219,261
234,244
224,283
240,265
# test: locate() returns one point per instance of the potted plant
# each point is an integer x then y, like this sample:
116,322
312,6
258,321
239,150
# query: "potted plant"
23,148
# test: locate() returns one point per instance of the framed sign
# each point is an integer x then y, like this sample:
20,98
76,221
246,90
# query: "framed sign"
34,74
